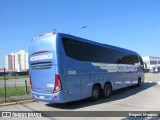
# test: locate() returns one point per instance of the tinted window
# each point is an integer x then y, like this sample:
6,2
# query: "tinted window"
89,52
128,59
153,62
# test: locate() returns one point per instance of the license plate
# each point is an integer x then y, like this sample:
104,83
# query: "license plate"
41,97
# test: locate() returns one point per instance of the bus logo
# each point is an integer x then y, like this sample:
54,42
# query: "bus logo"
72,72
41,57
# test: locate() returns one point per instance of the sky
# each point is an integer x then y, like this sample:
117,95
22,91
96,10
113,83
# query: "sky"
130,24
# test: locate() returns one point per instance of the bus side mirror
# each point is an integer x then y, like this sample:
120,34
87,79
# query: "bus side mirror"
144,65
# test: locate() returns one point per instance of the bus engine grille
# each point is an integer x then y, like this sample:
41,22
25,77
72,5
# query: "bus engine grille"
41,65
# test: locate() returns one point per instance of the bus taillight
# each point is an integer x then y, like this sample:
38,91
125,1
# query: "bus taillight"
58,85
30,83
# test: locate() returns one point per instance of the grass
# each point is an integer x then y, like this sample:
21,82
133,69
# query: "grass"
13,77
14,91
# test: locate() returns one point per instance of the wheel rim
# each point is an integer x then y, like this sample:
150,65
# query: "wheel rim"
96,93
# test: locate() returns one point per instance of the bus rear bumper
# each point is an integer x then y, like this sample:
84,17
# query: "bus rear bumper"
49,98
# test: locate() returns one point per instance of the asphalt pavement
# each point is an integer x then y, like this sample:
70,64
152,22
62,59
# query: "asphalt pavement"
15,82
152,77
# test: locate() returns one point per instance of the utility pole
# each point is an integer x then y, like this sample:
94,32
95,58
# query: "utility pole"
79,29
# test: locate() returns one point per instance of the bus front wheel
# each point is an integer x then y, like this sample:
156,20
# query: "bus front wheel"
95,92
139,82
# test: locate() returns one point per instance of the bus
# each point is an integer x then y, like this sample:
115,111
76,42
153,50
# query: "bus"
65,68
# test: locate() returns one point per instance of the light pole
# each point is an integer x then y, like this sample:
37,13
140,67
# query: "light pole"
57,30
79,29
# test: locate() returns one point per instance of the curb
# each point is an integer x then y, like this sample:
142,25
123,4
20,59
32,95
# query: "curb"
158,82
18,102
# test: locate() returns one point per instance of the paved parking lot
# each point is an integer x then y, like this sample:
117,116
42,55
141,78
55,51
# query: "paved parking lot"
152,77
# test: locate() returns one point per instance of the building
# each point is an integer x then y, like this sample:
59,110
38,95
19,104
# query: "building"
151,63
10,62
17,61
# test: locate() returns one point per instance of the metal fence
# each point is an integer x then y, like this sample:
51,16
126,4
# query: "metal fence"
12,90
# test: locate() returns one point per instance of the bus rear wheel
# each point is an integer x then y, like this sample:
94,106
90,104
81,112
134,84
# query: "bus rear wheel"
107,90
95,92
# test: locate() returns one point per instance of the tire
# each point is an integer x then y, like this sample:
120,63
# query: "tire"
95,92
107,90
139,82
